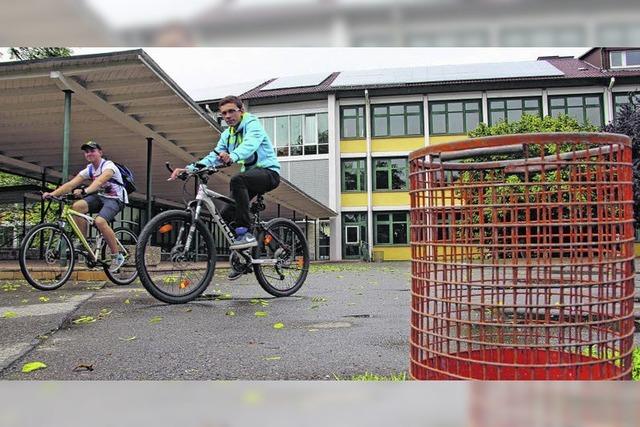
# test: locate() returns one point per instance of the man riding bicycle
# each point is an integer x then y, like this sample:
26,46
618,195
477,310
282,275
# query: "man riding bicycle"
106,179
244,142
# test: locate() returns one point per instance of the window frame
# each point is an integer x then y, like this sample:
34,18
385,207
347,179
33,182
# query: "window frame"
361,167
390,223
389,170
464,112
405,115
360,121
506,109
584,106
624,59
305,147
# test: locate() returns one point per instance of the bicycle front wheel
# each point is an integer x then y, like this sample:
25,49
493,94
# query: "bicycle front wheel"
174,262
284,248
128,272
46,257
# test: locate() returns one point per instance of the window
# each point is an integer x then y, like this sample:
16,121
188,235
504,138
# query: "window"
454,117
351,234
352,122
512,109
390,174
583,108
397,120
298,135
620,99
354,175
624,58
391,228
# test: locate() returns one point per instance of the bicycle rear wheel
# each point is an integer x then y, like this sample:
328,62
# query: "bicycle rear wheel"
128,272
283,242
46,257
169,269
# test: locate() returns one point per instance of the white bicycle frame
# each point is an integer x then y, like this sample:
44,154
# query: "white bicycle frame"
206,195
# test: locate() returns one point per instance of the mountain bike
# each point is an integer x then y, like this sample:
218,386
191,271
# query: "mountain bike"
48,254
176,253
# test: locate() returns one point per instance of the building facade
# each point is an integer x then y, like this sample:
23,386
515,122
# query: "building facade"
345,138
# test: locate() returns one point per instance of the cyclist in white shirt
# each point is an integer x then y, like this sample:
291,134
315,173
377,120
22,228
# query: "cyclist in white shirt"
105,178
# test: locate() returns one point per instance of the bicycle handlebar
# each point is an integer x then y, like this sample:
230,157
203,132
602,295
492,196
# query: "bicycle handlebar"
201,169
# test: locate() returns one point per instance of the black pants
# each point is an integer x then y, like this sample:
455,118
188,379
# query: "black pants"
244,187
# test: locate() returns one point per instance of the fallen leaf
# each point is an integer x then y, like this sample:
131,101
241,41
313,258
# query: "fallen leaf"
261,314
127,301
315,306
313,330
264,303
273,358
254,301
278,325
127,338
24,301
230,313
44,299
155,319
33,366
224,296
81,368
188,310
84,320
9,315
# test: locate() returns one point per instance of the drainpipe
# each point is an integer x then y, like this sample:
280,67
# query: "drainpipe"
609,93
367,127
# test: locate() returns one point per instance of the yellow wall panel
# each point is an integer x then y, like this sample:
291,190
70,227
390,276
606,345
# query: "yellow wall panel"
353,146
392,198
397,144
394,253
433,140
353,199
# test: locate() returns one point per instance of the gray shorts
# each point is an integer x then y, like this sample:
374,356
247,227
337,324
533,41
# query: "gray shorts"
105,207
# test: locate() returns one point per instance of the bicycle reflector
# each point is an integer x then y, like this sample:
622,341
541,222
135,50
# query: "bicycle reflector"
267,239
165,228
184,283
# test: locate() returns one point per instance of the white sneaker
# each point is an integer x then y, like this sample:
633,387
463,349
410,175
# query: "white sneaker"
116,263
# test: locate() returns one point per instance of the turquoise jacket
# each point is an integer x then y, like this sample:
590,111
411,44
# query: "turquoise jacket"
248,145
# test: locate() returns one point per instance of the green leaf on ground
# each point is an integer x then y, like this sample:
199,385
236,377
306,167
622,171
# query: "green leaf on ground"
32,366
254,301
319,299
9,315
155,319
273,358
44,299
24,301
127,338
127,301
224,297
230,313
104,313
278,325
82,320
260,314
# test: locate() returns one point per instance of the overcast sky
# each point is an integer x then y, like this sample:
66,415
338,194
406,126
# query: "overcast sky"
211,72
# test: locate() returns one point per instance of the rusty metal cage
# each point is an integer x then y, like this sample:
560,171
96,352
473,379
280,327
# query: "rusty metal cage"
523,258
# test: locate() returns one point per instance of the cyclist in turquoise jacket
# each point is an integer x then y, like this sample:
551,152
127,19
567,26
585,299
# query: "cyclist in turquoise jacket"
244,142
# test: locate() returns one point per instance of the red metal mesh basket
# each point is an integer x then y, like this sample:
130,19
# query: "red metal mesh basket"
522,258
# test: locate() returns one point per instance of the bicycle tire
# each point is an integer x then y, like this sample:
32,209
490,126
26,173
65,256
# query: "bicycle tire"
143,272
22,257
259,270
103,251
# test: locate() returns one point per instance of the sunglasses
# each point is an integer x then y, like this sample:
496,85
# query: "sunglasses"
229,112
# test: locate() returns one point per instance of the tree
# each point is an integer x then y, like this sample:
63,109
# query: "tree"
627,122
24,53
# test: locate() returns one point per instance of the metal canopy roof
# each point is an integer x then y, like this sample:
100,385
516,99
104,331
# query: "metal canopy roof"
119,99
447,73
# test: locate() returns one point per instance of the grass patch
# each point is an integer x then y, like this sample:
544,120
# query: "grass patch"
367,376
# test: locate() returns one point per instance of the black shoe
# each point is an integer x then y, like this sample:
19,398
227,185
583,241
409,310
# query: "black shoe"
234,274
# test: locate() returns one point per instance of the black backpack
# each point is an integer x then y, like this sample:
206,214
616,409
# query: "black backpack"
127,176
